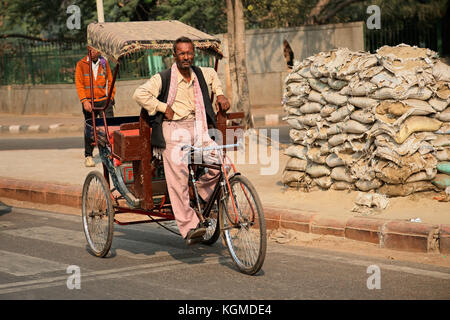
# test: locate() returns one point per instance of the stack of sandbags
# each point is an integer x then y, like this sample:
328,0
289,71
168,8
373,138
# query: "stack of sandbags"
368,121
442,179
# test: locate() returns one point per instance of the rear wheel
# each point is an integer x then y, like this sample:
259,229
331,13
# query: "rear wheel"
97,213
243,225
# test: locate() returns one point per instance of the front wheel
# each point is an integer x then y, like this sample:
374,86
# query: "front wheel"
97,213
243,225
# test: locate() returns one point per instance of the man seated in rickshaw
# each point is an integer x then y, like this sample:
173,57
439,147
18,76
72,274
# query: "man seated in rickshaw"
181,94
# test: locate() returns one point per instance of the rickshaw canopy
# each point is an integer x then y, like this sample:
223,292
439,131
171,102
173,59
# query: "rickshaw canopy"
117,39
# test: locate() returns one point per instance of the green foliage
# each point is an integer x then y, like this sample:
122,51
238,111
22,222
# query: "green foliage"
206,15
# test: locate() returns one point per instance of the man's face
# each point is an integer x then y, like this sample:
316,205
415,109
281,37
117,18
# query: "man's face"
184,55
95,54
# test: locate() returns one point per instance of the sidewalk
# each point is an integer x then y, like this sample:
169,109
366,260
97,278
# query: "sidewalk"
57,176
14,124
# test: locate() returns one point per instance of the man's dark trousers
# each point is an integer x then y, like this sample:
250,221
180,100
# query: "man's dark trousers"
109,113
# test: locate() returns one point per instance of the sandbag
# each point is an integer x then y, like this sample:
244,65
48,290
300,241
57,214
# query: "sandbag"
336,84
337,139
323,182
315,156
317,171
438,104
327,110
333,160
442,90
363,102
444,115
441,141
397,174
299,88
417,93
341,174
341,113
317,85
444,167
443,155
310,107
334,97
416,124
342,185
352,126
386,79
316,97
296,164
360,89
294,123
297,136
296,151
366,185
310,119
292,176
441,180
422,175
387,93
403,190
441,71
295,101
363,116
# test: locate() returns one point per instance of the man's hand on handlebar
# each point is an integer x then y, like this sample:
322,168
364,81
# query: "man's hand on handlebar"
222,103
87,106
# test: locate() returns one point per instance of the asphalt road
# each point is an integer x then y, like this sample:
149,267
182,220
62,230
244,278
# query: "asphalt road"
57,141
41,253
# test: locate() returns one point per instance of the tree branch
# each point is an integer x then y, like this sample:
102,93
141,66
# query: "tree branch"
339,6
24,36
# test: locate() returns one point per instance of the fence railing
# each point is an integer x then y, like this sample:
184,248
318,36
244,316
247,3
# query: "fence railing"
424,36
36,62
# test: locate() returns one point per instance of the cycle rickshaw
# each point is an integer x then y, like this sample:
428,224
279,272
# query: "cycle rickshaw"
138,186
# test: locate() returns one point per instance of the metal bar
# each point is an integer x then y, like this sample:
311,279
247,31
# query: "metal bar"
91,88
139,222
108,99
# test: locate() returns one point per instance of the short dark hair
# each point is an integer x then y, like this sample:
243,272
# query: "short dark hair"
182,40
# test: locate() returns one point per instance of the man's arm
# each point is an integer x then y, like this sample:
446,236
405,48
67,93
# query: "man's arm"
216,86
146,95
79,84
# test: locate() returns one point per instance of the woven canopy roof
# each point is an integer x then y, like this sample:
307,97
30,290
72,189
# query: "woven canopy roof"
116,39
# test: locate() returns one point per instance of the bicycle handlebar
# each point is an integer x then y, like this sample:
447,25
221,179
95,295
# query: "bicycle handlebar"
194,148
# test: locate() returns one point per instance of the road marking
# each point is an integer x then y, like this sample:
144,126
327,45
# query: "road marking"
363,263
23,265
109,274
123,247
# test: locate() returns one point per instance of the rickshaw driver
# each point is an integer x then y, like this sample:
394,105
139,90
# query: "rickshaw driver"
187,89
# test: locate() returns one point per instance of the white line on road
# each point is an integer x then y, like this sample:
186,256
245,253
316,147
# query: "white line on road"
117,273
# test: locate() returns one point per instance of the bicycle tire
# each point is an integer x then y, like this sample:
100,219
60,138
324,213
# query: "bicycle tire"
97,214
245,234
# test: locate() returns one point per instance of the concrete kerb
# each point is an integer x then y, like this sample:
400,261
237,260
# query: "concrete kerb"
391,234
39,128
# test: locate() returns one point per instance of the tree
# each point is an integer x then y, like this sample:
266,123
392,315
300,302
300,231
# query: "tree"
237,59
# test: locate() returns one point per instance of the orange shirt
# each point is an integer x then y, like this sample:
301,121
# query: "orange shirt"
82,82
